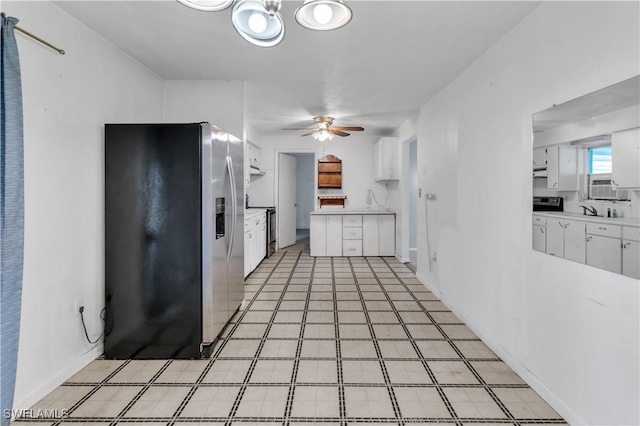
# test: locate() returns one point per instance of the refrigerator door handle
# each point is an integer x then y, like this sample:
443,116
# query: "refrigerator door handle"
234,212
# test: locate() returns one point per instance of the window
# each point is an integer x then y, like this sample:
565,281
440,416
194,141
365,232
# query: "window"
600,160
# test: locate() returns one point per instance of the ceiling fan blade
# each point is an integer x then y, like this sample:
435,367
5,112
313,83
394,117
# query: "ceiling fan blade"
350,129
338,132
308,134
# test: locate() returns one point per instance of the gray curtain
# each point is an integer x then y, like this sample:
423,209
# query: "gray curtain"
11,213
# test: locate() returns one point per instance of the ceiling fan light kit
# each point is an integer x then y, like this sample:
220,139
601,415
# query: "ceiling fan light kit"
323,15
325,130
260,23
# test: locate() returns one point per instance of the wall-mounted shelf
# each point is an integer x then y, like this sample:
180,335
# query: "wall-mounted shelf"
329,172
332,200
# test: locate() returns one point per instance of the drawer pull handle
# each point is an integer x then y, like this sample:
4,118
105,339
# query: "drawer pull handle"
602,228
626,245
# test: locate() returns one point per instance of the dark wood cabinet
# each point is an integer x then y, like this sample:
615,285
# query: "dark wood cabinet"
329,172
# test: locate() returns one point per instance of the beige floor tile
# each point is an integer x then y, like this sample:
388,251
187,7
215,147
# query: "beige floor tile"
345,317
318,349
272,371
420,402
211,402
525,404
227,371
320,317
240,348
397,349
496,372
473,403
389,331
315,401
409,317
284,331
407,372
96,371
475,349
458,332
362,372
263,402
368,402
279,348
182,371
357,349
452,372
312,371
158,401
319,331
354,331
107,401
436,349
137,371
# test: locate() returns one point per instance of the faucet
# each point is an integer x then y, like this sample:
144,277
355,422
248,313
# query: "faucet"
592,211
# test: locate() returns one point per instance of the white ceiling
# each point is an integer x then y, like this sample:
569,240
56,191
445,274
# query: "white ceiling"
375,72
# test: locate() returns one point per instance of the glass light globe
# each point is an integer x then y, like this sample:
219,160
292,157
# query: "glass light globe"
322,13
257,23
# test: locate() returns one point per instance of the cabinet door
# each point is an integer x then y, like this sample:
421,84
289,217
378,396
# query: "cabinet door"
262,240
386,235
604,253
247,253
631,259
552,167
575,241
370,235
318,235
377,160
625,159
539,158
555,238
334,235
539,238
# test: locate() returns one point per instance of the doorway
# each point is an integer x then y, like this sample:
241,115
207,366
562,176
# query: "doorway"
410,197
295,198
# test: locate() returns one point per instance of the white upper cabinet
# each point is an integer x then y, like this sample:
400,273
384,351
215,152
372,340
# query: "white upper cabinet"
562,168
539,158
386,160
625,159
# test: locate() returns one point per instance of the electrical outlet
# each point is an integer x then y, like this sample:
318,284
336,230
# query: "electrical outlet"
78,303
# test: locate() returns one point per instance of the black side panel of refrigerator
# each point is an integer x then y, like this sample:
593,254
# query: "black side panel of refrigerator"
153,250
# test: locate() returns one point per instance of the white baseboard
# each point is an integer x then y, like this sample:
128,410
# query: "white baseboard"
551,398
44,389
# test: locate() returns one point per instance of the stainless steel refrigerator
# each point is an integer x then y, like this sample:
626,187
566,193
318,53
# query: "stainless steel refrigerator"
174,214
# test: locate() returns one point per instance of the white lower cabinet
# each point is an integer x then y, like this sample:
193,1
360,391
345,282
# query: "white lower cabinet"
539,238
334,235
631,252
352,235
565,238
255,242
604,243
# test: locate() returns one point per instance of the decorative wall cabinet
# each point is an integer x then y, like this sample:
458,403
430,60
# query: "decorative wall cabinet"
329,172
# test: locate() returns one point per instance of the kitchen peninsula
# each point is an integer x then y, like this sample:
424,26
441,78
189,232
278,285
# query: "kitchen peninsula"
344,232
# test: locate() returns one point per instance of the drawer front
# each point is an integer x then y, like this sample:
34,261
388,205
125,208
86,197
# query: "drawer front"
351,233
540,221
351,220
352,247
631,233
614,231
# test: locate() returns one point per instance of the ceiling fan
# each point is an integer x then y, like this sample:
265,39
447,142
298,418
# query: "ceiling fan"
325,130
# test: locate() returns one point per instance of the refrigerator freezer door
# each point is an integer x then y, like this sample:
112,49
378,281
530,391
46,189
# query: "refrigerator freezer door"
217,203
153,267
236,259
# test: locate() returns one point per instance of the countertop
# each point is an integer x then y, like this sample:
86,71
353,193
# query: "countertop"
622,221
350,211
251,213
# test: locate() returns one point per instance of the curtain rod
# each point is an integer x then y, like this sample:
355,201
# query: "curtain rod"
35,37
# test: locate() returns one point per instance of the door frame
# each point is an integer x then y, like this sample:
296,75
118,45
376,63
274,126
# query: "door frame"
406,197
276,195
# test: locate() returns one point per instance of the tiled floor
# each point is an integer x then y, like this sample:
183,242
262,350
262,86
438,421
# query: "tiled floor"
343,341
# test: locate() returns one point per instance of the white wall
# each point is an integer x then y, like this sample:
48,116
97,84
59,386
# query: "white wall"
305,189
217,102
66,102
570,330
355,151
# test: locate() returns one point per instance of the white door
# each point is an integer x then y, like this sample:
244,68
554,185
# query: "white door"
286,209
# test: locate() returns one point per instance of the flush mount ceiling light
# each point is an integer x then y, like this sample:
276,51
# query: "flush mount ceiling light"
323,15
207,5
258,21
